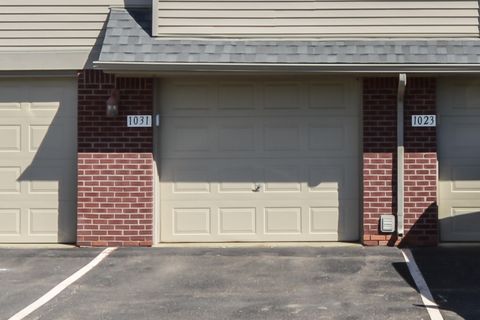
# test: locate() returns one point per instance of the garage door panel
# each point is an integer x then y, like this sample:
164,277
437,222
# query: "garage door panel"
465,220
336,132
236,135
236,179
459,158
466,179
461,167
50,177
188,179
10,222
191,221
222,137
232,187
37,160
10,138
9,179
325,199
461,224
464,134
185,177
40,100
460,177
41,140
460,203
281,135
246,170
282,220
43,221
238,221
192,95
236,95
8,108
36,135
324,220
460,96
222,96
461,137
282,95
328,95
33,222
348,220
282,178
187,135
463,186
43,187
325,178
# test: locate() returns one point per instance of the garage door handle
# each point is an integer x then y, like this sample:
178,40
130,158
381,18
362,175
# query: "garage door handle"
257,188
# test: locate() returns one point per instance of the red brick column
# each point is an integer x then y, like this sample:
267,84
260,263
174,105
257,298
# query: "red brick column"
115,164
379,156
421,211
379,162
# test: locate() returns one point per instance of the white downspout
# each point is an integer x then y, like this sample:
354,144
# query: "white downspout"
402,82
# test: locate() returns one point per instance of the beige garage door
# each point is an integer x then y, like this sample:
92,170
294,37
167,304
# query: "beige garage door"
459,158
37,160
259,160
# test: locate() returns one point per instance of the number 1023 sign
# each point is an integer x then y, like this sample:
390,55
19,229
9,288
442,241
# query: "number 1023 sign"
424,120
139,121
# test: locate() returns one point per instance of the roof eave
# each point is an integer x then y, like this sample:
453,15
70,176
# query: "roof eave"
120,66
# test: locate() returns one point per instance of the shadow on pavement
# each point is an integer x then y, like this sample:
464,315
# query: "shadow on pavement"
453,276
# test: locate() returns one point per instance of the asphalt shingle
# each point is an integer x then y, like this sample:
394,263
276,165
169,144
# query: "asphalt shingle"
128,39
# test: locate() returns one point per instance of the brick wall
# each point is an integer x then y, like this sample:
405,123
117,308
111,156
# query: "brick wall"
98,133
421,211
379,161
115,164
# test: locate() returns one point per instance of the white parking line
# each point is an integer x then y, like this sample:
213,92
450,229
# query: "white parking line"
61,286
427,298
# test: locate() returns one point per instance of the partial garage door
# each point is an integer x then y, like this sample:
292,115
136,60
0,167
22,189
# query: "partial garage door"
259,160
459,157
37,160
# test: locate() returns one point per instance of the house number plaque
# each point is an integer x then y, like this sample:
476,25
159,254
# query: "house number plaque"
139,121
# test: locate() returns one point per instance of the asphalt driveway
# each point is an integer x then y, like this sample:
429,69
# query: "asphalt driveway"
25,274
453,276
215,283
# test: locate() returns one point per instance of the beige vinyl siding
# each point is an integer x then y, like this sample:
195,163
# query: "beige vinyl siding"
53,34
333,18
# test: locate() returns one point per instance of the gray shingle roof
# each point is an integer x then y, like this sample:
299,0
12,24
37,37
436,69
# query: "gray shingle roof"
128,39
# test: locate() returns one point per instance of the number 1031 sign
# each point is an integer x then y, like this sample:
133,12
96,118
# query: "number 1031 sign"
139,121
424,120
